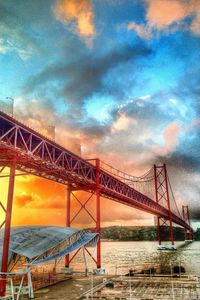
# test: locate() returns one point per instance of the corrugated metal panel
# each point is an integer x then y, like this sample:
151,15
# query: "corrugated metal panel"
33,241
86,239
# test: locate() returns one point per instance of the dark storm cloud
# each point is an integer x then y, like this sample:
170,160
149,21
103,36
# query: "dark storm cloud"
153,110
195,214
187,153
179,160
183,159
156,110
90,127
188,90
148,112
83,77
95,130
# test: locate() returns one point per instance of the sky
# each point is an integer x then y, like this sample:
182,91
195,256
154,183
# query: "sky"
121,78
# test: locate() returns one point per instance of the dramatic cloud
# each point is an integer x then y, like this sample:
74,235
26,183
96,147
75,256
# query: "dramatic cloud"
84,77
195,215
42,118
79,12
34,201
162,13
168,16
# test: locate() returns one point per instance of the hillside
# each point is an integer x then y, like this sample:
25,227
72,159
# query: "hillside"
141,233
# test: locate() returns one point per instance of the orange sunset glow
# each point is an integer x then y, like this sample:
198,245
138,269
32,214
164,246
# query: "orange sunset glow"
39,201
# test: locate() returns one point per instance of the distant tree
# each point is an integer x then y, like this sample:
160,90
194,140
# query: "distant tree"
197,234
139,233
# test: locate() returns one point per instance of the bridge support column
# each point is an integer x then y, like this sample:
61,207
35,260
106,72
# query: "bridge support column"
98,221
186,218
94,192
7,222
158,231
68,223
162,197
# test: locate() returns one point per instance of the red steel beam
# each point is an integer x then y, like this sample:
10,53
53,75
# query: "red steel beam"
4,264
171,233
68,222
158,218
98,225
186,217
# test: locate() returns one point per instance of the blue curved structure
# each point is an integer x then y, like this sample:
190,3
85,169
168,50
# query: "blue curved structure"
40,244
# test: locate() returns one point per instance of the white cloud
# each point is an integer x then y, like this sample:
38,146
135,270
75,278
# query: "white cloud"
146,97
173,101
122,123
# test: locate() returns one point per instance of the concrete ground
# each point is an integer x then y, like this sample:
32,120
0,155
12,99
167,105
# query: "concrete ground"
70,289
141,288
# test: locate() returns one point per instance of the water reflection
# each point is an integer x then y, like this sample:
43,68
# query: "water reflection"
119,257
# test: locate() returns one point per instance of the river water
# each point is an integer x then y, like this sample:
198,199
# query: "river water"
119,257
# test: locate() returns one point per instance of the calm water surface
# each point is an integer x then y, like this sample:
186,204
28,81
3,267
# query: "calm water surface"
119,257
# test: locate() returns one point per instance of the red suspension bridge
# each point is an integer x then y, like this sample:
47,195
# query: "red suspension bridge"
25,150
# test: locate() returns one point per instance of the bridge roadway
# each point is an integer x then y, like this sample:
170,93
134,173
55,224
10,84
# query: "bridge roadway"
38,155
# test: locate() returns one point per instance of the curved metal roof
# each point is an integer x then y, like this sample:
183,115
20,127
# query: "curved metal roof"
39,244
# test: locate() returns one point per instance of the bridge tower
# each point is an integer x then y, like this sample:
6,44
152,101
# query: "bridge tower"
186,218
162,197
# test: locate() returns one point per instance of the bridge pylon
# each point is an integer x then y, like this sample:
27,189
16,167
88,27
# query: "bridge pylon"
162,198
94,191
186,218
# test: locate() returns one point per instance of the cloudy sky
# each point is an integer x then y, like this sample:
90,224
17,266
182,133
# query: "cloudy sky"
119,77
